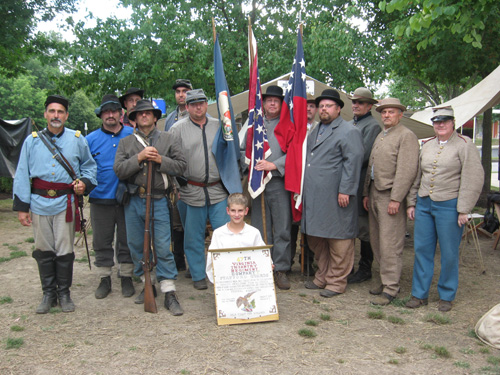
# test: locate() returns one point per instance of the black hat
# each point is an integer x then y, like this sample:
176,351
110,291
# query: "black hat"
182,83
132,90
57,99
196,96
108,102
144,105
332,95
275,91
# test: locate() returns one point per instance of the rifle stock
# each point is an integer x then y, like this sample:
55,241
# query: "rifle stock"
149,298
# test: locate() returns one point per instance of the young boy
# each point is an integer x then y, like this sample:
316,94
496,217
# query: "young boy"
236,233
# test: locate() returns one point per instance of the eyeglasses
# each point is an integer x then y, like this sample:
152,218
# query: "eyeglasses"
321,106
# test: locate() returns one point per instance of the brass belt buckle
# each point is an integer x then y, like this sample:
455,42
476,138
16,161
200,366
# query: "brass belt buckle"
142,190
51,193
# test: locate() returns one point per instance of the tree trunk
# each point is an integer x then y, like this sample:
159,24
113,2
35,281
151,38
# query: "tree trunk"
486,155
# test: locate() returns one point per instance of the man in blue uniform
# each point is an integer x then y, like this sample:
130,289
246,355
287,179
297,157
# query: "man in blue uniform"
105,212
51,198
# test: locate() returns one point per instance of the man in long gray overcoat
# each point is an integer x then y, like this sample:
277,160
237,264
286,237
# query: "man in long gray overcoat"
330,213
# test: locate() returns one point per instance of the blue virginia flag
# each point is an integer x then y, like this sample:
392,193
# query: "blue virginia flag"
226,147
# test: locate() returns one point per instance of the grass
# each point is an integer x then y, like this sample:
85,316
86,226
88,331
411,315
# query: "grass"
13,248
17,328
437,319
5,299
376,314
325,317
472,333
467,351
442,352
312,323
13,343
55,310
484,350
462,364
316,301
83,259
13,255
400,350
493,360
400,302
425,346
395,320
302,295
306,332
393,361
30,240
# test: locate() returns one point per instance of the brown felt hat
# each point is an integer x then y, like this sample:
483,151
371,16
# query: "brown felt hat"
144,105
132,90
362,94
390,103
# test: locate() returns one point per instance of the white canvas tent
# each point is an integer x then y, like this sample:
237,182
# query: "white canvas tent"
315,87
484,95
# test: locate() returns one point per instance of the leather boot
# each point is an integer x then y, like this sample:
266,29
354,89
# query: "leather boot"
172,305
104,288
364,271
64,274
178,240
47,271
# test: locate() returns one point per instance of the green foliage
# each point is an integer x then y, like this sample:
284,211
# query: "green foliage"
493,360
14,343
378,314
5,299
306,332
17,328
325,317
311,322
437,318
81,111
29,240
13,255
462,364
394,361
442,352
6,184
395,320
400,350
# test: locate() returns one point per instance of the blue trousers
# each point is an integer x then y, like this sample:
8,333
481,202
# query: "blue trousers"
436,221
194,221
135,215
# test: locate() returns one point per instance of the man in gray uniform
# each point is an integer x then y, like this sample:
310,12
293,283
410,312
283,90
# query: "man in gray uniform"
330,213
362,102
202,195
181,87
277,199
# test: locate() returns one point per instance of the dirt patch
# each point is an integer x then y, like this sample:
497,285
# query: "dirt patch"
115,336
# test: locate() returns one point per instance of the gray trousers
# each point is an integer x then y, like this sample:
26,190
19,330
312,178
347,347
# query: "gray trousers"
104,218
278,222
53,233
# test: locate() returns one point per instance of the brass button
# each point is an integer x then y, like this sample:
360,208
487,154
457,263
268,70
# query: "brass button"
432,179
430,191
142,190
432,185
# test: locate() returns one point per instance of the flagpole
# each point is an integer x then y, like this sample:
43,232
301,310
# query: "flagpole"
213,29
262,201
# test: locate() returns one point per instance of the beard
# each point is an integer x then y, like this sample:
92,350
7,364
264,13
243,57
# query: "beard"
56,123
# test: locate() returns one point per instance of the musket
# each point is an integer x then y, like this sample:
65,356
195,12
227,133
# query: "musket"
83,226
147,265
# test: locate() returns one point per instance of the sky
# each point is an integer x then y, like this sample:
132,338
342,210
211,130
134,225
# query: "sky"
99,8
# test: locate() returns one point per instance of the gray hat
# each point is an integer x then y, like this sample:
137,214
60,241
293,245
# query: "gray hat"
196,96
390,103
144,105
362,94
442,114
182,83
108,102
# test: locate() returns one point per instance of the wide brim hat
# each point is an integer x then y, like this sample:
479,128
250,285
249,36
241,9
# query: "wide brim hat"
330,94
362,94
442,114
108,102
144,105
182,83
196,96
275,91
390,103
132,90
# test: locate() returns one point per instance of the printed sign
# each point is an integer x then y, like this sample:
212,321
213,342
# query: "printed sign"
244,285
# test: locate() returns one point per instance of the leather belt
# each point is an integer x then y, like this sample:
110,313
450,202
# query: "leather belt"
142,191
52,193
201,184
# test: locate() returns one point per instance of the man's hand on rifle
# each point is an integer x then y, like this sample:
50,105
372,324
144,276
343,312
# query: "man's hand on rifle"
150,154
78,187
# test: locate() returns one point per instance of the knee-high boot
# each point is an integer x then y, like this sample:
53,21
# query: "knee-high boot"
47,271
64,274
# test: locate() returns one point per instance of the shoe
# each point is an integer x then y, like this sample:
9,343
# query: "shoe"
310,285
47,270
328,293
382,300
415,303
359,276
200,284
140,298
281,280
377,291
104,288
172,305
128,289
187,275
444,306
64,275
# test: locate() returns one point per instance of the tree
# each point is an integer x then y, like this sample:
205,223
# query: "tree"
81,111
164,40
19,20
